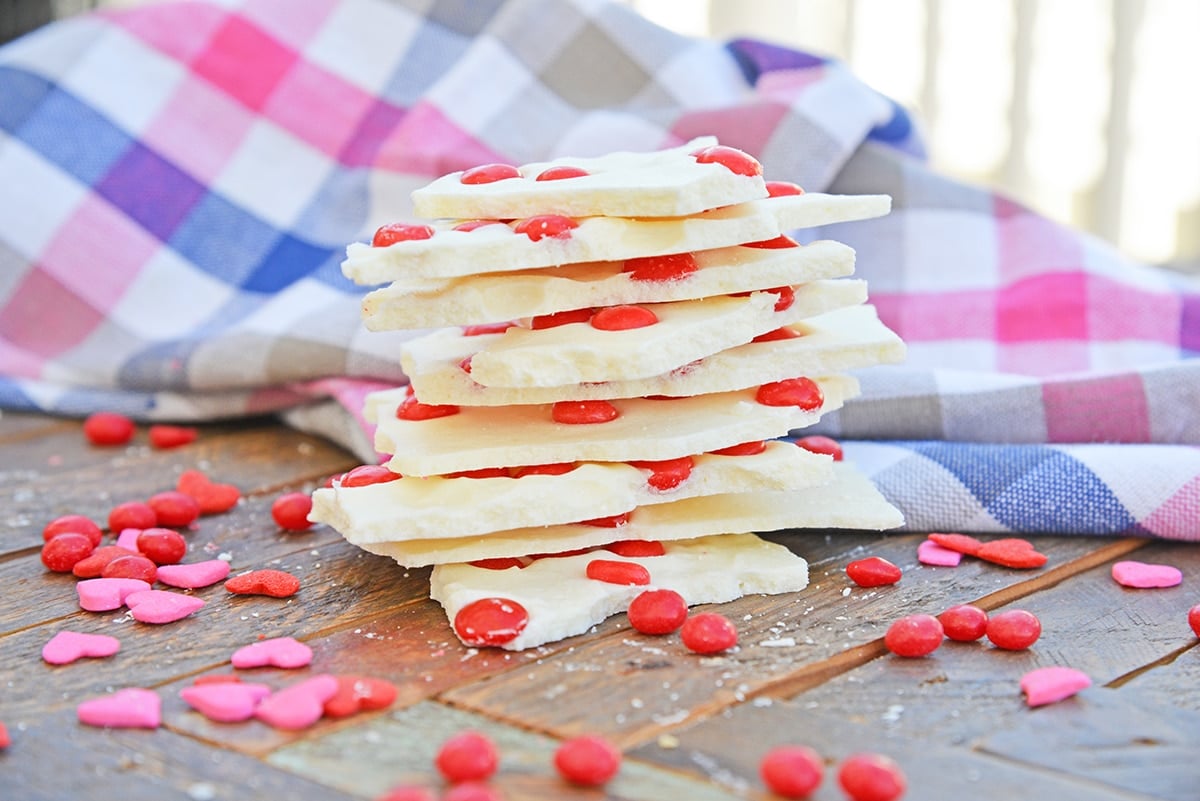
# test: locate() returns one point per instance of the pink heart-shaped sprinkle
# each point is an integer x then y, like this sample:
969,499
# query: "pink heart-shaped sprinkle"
280,652
1142,575
194,575
226,701
67,646
930,553
131,708
127,539
1050,684
161,606
104,594
297,706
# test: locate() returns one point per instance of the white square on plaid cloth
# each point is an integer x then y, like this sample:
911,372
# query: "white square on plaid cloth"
32,218
363,42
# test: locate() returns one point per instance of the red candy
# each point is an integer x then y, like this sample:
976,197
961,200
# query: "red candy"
490,621
964,623
584,412
657,611
736,161
108,428
612,571
781,188
874,571
589,761
163,546
546,225
612,521
635,548
559,173
5,739
133,566
486,328
792,771
74,524
1011,552
63,551
290,511
779,242
498,563
174,508
489,173
472,791
1194,619
467,756
661,268
623,318
817,443
1014,630
708,633
553,469
92,565
213,498
802,392
957,542
408,793
358,694
871,777
273,583
744,449
164,437
133,514
542,321
472,225
668,473
914,636
781,333
399,232
482,472
413,409
366,474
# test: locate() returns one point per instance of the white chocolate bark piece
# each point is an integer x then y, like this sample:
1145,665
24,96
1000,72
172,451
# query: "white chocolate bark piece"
849,501
498,248
841,340
562,601
646,429
436,507
493,298
662,183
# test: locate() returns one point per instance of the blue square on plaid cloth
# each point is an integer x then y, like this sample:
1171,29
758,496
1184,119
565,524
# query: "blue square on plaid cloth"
224,240
21,93
151,190
290,260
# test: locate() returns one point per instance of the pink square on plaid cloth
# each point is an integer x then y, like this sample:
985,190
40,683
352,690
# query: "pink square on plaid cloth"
46,318
302,102
1104,409
180,30
1030,245
755,123
1044,358
98,252
18,362
427,143
245,62
1176,517
1118,311
199,129
938,316
1043,307
293,23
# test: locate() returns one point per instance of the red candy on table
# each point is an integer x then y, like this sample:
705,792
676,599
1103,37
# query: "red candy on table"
541,226
490,621
914,636
873,571
962,543
174,508
708,633
91,565
359,693
671,267
74,524
400,232
472,791
213,498
132,514
290,511
792,771
589,761
613,571
964,622
131,566
817,443
623,318
871,777
163,546
467,756
802,392
736,161
489,173
1011,552
63,551
1014,630
583,412
268,581
1194,619
657,611
165,437
108,428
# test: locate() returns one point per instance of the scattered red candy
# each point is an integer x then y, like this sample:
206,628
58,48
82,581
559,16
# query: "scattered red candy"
133,566
489,173
671,267
588,760
74,524
962,543
636,548
668,473
92,565
163,546
561,172
1194,619
108,428
5,739
290,511
132,514
781,188
657,612
583,412
744,449
964,622
802,392
392,233
359,693
615,572
174,508
543,321
1011,552
366,474
873,571
546,225
63,551
736,161
914,636
1014,630
467,756
623,318
413,409
213,498
817,443
274,583
792,771
871,777
708,633
164,437
472,791
490,621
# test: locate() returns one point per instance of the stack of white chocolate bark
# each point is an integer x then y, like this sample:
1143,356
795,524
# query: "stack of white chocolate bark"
621,341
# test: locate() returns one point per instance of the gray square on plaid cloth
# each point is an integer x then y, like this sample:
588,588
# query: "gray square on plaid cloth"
889,409
800,150
594,71
467,17
536,33
431,52
532,122
1012,414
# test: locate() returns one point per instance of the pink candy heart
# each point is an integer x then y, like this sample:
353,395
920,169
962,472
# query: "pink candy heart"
104,594
298,706
1050,684
67,646
280,652
930,553
161,606
194,575
226,701
131,708
127,539
1142,575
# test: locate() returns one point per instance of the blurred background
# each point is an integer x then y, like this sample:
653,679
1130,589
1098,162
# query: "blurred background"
1085,110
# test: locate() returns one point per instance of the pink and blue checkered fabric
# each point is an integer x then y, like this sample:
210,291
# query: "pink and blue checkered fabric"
178,182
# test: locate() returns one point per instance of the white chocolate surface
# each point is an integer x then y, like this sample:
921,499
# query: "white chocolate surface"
845,339
498,248
849,501
662,183
562,601
653,430
493,298
437,507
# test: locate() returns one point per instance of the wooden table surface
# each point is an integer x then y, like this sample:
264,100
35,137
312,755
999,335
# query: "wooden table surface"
811,667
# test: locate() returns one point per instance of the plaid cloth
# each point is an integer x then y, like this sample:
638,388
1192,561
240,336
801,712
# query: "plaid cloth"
178,182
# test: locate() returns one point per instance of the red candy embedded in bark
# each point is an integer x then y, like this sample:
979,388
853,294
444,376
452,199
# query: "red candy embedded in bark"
75,524
792,771
63,551
964,622
623,318
108,428
556,319
736,161
366,474
91,565
787,296
962,543
671,267
708,633
132,514
612,571
359,694
873,571
133,566
489,173
269,582
802,392
744,449
1014,630
657,611
561,172
413,409
290,511
635,548
174,508
481,330
583,412
490,621
817,443
668,473
392,233
781,188
914,636
498,563
783,332
553,469
483,472
162,546
612,521
777,243
474,225
546,225
165,437
1011,552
